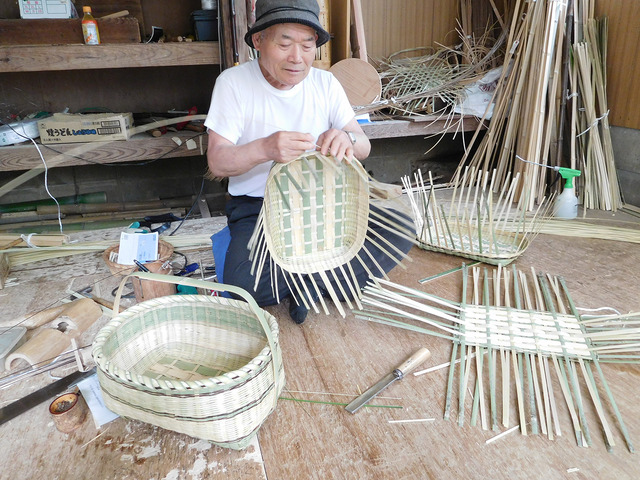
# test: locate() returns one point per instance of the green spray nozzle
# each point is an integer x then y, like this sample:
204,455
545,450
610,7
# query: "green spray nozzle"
567,174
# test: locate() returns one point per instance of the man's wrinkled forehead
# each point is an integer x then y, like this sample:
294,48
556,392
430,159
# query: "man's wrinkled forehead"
292,31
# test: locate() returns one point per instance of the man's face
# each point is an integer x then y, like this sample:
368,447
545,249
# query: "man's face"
287,51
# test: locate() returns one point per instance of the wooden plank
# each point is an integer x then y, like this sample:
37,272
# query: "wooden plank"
41,58
623,62
340,24
404,24
63,31
358,37
100,8
139,147
404,128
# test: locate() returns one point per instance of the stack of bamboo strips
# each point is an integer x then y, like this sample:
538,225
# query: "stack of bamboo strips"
601,189
582,229
530,102
525,110
523,329
22,256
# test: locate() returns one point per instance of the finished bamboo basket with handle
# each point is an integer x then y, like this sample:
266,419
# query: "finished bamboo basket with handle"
207,366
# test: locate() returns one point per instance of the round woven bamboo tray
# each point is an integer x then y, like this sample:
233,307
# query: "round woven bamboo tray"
207,366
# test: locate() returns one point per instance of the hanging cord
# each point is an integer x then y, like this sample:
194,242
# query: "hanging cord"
46,172
192,207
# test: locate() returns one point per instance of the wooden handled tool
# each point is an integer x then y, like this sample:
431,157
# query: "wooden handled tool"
397,374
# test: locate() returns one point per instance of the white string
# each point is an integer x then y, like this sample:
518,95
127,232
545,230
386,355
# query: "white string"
27,239
46,182
595,122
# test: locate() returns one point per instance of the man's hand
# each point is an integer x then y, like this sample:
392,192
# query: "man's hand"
284,147
337,143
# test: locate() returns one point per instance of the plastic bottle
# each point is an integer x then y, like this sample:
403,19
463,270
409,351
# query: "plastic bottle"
90,28
566,205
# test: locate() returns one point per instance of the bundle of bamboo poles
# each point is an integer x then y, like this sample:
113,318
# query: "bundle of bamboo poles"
531,106
519,330
476,224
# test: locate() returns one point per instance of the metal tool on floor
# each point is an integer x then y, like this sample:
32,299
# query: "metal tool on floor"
397,374
36,398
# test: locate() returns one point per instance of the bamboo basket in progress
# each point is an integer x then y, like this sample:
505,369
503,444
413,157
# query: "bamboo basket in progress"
520,351
315,220
475,223
207,366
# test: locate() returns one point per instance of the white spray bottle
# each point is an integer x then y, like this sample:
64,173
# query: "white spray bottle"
566,204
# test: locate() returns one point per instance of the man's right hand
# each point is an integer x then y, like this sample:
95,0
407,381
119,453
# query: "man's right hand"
284,147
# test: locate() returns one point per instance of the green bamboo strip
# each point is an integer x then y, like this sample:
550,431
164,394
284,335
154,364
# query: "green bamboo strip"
519,378
452,368
612,401
554,409
593,391
578,398
463,361
533,413
490,359
384,320
448,229
545,408
506,391
566,392
339,404
446,272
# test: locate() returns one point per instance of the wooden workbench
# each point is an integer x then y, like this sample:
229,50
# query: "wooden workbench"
329,354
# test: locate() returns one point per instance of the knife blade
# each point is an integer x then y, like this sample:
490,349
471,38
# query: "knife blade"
397,374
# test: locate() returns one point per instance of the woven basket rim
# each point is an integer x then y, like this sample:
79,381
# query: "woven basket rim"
486,258
147,382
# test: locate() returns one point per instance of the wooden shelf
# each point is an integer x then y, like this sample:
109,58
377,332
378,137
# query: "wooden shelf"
40,58
139,147
144,147
417,126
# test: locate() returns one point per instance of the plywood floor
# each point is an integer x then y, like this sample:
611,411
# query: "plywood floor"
336,356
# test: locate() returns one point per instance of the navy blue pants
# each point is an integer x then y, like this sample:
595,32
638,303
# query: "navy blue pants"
242,215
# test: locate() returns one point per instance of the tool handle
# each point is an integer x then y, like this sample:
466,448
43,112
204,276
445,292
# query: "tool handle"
413,361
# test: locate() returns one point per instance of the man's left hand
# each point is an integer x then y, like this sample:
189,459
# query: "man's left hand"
337,143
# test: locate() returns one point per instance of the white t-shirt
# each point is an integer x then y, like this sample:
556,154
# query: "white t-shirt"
245,107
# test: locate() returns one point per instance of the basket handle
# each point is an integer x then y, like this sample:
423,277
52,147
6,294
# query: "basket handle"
218,287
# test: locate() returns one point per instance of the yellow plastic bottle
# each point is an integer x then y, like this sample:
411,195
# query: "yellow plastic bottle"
90,28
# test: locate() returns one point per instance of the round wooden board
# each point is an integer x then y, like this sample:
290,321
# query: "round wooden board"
359,79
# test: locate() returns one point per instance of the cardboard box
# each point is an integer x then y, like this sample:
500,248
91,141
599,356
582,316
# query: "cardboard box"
78,127
46,8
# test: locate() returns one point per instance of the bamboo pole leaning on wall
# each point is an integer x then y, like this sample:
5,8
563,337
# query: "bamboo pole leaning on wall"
531,103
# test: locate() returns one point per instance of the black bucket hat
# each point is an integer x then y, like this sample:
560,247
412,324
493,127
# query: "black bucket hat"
272,12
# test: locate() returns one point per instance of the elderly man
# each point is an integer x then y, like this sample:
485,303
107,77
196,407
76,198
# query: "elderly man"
273,109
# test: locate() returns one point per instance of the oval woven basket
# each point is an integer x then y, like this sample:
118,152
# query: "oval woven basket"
207,366
315,221
316,213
